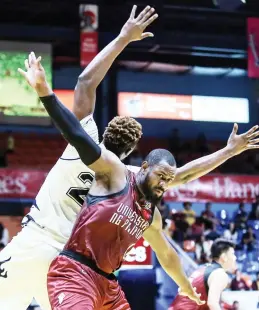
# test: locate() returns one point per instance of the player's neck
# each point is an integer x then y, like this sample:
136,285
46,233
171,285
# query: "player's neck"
222,265
138,186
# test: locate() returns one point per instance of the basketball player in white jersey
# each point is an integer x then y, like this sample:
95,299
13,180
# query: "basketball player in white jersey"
25,261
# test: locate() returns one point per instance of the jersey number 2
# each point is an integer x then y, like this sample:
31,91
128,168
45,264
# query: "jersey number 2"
78,193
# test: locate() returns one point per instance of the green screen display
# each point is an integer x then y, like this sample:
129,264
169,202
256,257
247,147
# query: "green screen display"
17,98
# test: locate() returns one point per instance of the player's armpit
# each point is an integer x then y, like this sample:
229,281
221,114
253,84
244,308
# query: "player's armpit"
218,281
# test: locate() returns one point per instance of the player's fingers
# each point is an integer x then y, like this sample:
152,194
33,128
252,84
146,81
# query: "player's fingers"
251,131
38,60
133,12
40,66
150,20
254,141
26,64
147,35
143,13
33,57
252,146
235,128
30,59
253,135
147,15
22,72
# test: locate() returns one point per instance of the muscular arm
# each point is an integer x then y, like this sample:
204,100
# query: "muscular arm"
198,167
97,158
201,166
91,77
165,253
217,282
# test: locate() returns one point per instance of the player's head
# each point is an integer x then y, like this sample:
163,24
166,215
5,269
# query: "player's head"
156,173
122,135
223,252
235,305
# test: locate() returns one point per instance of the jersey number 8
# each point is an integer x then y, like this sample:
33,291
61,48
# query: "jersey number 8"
78,193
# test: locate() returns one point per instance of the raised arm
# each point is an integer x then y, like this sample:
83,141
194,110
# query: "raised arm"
236,144
91,77
97,158
168,257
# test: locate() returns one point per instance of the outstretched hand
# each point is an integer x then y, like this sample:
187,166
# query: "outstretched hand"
35,73
246,141
134,28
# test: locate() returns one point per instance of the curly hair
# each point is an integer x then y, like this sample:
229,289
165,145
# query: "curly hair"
122,134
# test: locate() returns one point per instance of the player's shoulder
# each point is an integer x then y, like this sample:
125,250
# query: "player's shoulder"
218,275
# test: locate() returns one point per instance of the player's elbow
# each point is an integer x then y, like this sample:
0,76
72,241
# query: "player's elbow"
85,83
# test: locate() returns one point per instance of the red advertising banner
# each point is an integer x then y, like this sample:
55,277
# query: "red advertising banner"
217,188
139,256
25,183
253,47
89,33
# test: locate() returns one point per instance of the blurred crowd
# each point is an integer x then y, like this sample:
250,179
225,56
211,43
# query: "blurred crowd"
196,233
185,151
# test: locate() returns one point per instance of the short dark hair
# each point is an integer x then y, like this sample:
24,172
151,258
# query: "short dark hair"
220,246
121,134
158,155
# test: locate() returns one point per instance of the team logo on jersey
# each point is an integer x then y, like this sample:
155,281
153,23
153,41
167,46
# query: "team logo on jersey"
3,272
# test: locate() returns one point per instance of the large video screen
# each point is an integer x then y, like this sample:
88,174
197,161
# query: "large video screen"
17,98
181,107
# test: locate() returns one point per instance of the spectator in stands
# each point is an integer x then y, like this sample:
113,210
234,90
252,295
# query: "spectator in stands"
174,142
164,210
4,235
201,144
255,285
169,227
197,229
10,142
254,214
207,215
231,232
181,228
248,242
241,217
238,283
202,250
190,215
211,232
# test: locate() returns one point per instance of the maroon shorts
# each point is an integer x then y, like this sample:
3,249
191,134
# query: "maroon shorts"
182,302
74,286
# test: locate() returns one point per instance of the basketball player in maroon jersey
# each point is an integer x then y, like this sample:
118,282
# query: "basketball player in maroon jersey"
62,118
210,280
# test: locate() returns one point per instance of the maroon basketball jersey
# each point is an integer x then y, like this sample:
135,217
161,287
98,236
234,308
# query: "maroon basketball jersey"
199,279
108,226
